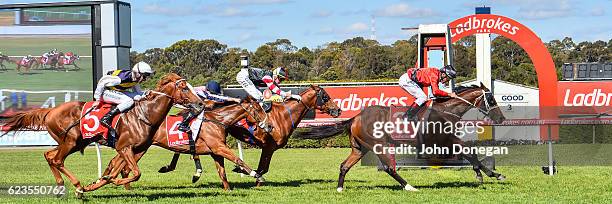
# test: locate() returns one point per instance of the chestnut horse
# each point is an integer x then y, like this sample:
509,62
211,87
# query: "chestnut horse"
27,66
362,139
211,140
135,127
284,118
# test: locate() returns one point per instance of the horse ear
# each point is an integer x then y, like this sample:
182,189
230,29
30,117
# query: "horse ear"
482,85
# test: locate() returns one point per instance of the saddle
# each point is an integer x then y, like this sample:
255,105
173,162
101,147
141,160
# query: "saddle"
90,120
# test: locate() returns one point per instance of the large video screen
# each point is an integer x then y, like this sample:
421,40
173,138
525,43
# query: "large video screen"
46,57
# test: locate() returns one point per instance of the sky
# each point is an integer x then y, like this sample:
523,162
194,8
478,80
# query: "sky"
312,23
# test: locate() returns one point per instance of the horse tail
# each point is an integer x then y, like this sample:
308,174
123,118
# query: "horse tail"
325,131
31,120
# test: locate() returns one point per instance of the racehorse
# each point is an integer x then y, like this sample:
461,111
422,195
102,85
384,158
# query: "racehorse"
135,127
362,139
52,61
27,65
4,58
284,118
210,140
68,59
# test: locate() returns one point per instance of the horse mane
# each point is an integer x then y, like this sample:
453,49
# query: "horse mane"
168,78
226,103
458,90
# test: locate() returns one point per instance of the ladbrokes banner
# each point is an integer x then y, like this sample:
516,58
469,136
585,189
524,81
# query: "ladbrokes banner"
353,99
585,97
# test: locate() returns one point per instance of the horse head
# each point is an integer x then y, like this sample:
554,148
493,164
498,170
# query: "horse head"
320,100
481,98
179,91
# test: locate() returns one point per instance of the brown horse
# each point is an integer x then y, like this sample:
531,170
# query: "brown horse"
27,65
284,118
362,137
211,140
72,59
135,127
4,58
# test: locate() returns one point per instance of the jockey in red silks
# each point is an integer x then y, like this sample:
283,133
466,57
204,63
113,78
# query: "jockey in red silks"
417,78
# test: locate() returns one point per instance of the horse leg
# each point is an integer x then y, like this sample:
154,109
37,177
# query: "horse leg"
222,150
198,165
64,150
113,169
127,153
346,165
170,167
264,162
49,155
477,165
389,168
126,172
220,164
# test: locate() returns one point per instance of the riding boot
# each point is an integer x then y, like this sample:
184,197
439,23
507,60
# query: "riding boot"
411,113
106,122
184,126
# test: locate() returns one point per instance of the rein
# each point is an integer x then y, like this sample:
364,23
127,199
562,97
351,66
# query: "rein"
487,105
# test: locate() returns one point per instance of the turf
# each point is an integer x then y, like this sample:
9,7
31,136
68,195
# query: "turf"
310,175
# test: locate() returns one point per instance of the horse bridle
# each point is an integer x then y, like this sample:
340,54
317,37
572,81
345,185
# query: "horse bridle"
484,96
172,98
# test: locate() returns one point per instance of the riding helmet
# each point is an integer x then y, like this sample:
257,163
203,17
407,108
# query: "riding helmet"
449,70
214,87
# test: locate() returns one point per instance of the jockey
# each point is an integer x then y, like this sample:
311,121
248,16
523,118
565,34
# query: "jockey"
251,78
113,87
212,91
25,60
417,78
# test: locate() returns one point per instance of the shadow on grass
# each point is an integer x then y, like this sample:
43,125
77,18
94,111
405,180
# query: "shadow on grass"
437,185
247,185
155,196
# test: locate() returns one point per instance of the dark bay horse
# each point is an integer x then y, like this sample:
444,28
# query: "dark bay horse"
211,139
362,139
135,127
284,118
4,58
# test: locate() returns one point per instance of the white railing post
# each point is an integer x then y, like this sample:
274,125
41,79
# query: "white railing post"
67,97
240,154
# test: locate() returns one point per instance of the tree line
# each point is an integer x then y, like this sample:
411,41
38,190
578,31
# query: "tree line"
356,59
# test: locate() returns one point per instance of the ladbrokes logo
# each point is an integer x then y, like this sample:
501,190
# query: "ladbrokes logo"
353,102
484,25
594,98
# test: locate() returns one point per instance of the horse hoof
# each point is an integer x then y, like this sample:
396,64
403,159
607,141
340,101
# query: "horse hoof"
501,178
79,193
164,169
237,169
480,179
408,187
195,178
339,189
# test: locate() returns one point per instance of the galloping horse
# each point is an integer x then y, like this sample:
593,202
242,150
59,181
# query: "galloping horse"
4,58
52,60
68,59
284,118
211,140
27,65
135,127
362,139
